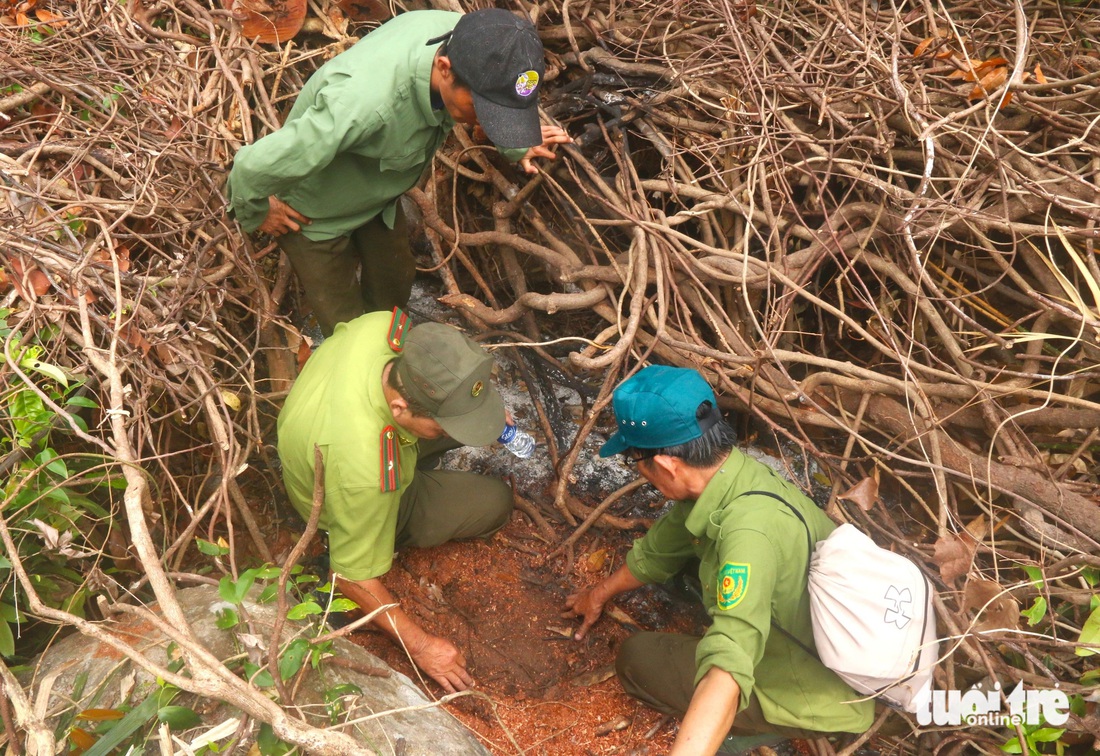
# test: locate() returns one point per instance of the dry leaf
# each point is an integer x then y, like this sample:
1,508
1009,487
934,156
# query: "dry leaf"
924,43
990,83
53,19
993,607
365,10
1039,75
954,554
864,493
304,351
174,128
596,560
135,338
22,278
276,21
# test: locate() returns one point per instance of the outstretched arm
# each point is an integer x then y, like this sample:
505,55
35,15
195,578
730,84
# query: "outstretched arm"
436,657
588,604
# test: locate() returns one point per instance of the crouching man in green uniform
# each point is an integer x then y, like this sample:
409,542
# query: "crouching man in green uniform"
361,133
745,676
382,408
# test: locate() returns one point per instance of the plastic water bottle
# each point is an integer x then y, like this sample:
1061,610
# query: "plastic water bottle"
516,441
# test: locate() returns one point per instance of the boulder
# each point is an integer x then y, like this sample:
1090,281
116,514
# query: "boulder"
79,673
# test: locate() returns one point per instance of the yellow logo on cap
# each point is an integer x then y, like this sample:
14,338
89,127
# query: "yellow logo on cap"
477,388
526,83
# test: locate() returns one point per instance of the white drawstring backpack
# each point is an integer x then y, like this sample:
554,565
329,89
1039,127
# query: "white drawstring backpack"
872,615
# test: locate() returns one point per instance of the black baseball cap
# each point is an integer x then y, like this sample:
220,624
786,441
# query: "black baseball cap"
500,56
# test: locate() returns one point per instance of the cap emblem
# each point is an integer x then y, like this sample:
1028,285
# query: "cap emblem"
526,83
476,389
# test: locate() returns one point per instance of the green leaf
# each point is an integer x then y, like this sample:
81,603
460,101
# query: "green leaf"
1046,735
303,610
7,640
4,563
46,369
210,548
1036,576
344,689
269,593
234,592
260,677
126,727
293,658
82,401
1091,575
227,619
1090,632
1012,746
343,605
1037,611
269,744
179,717
268,573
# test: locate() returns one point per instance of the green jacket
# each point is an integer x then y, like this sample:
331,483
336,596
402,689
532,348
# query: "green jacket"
338,404
360,134
753,561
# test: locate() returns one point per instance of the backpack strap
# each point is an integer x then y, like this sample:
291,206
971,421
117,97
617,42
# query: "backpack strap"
787,504
809,555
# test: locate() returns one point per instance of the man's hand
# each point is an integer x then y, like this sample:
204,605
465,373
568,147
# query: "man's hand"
443,662
551,136
282,218
587,604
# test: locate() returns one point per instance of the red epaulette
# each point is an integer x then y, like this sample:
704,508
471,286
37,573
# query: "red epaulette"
390,471
399,325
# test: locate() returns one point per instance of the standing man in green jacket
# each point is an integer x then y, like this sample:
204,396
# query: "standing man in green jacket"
744,676
327,184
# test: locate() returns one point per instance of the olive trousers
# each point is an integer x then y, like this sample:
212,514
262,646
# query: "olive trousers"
370,269
447,505
659,670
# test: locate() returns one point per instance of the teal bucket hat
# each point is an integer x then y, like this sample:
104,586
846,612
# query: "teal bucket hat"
657,407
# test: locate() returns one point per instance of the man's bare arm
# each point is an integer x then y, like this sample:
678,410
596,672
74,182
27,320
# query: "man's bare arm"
436,657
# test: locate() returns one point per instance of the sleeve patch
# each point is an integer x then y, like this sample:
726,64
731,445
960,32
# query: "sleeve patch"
733,584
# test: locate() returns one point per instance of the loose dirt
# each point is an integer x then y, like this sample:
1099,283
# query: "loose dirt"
541,691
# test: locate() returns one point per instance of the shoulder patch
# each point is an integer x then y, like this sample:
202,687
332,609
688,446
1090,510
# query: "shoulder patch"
733,584
398,328
390,470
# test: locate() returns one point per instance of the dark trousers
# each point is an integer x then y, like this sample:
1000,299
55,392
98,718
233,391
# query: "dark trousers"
659,670
371,269
448,505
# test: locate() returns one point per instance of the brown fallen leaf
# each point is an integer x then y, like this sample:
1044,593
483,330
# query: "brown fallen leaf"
993,606
864,494
954,554
596,560
989,83
30,282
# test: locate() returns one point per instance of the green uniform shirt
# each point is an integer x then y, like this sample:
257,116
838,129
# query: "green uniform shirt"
338,404
359,135
753,560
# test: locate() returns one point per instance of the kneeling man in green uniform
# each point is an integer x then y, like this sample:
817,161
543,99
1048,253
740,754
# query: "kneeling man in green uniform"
752,672
382,408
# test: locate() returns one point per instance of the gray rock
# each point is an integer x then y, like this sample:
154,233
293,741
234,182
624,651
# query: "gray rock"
79,673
